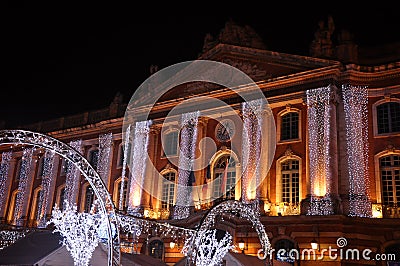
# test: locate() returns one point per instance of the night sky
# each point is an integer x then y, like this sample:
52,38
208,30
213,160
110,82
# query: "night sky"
68,57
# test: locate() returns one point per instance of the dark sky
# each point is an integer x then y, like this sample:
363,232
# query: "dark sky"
68,57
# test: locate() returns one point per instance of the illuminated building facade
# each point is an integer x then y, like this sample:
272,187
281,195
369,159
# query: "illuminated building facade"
335,170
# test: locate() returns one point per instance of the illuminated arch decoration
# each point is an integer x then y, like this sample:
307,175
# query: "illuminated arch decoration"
194,245
105,203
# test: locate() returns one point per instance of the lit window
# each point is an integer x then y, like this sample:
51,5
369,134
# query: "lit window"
170,143
390,178
290,126
290,181
168,190
388,117
224,178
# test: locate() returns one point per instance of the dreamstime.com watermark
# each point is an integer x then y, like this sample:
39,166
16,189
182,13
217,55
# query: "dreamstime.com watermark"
340,252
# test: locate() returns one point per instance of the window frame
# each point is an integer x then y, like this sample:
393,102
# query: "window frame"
375,117
279,125
163,173
164,141
278,177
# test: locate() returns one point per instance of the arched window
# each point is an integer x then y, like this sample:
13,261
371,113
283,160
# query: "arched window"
156,249
388,117
290,181
224,178
168,190
117,191
89,197
285,251
390,178
170,143
37,206
289,126
11,208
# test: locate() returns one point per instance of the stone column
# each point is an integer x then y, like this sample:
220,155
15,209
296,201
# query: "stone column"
322,149
188,142
150,178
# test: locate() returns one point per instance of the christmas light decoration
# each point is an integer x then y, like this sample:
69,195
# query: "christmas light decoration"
318,101
103,166
185,164
24,178
138,165
124,163
79,231
229,207
4,169
211,251
47,178
72,176
355,100
105,206
8,237
138,226
251,148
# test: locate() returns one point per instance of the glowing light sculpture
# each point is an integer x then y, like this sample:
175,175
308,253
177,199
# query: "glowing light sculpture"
196,246
105,206
24,179
4,171
79,231
355,100
138,166
47,178
319,128
185,164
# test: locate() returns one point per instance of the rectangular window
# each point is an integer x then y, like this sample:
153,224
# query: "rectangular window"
388,117
171,144
290,126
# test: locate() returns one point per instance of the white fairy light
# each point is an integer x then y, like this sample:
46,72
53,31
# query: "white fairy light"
318,101
24,178
47,178
105,206
355,100
138,165
240,209
79,232
251,148
72,176
8,237
211,250
138,226
185,164
103,166
4,169
124,163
